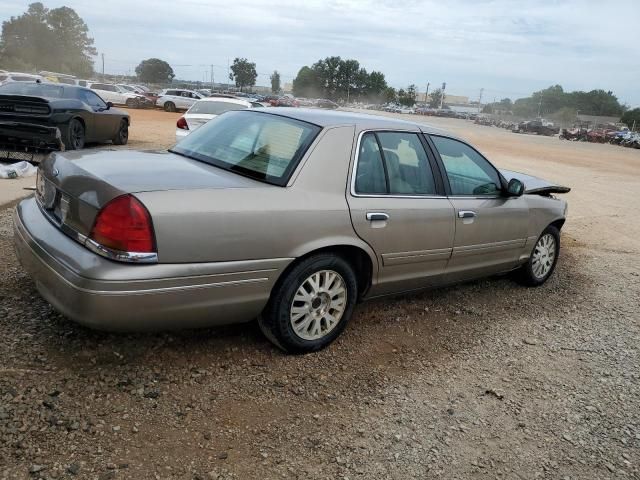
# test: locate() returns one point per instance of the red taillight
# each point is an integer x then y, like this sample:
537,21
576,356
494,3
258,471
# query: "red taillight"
124,224
182,123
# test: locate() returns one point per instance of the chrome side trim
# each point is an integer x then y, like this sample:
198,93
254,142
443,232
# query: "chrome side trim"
484,248
420,256
130,257
354,171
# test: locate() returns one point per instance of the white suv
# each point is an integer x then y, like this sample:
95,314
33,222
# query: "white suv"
173,99
119,96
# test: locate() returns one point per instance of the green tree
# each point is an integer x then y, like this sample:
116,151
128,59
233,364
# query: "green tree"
154,70
389,95
631,117
328,77
553,99
43,39
275,81
244,72
407,97
434,98
347,76
307,84
377,85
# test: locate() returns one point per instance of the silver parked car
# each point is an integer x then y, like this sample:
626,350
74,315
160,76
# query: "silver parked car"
204,110
289,217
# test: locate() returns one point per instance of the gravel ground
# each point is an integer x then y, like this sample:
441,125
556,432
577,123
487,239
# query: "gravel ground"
483,380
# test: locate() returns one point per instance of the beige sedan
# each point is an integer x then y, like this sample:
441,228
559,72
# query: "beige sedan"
290,217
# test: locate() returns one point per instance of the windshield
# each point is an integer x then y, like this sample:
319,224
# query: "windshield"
36,89
214,107
262,146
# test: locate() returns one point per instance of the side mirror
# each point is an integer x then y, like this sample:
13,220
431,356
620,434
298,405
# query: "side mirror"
109,105
515,188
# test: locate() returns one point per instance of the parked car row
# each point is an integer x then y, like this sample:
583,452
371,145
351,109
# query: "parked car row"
614,134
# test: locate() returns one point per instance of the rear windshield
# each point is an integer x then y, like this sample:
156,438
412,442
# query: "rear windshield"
36,89
262,146
215,108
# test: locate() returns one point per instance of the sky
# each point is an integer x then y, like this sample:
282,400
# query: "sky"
509,48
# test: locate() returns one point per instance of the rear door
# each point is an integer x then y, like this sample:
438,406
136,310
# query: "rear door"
399,208
491,229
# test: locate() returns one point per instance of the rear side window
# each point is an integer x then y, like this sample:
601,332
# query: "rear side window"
393,163
469,173
215,108
262,146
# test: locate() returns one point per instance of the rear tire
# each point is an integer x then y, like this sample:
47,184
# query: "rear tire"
169,107
311,305
132,103
543,259
75,135
122,137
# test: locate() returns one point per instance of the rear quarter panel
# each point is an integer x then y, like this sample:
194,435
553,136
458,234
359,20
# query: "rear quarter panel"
214,225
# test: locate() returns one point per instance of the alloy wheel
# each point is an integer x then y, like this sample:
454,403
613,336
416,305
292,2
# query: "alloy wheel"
318,305
544,255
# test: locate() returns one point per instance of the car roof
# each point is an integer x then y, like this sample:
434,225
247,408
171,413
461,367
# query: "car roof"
224,99
364,121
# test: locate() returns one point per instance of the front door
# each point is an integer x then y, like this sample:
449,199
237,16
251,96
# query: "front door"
491,229
400,210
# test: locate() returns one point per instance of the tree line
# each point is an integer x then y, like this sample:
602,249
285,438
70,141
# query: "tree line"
555,101
47,39
341,79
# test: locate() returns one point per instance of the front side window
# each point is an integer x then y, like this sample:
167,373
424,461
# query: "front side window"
393,163
92,99
262,146
469,173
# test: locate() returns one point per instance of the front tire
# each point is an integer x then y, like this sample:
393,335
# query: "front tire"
122,137
132,103
169,107
75,135
543,259
311,305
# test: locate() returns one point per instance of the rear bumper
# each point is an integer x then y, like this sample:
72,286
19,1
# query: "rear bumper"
28,141
107,295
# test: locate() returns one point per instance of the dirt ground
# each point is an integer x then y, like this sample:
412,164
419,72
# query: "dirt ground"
483,380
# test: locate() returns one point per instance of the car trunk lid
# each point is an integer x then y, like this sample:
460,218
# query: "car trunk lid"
72,187
195,120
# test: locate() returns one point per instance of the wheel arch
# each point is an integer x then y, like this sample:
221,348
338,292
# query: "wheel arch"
558,223
362,260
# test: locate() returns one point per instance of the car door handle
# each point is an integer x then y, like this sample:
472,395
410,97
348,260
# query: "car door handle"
377,216
466,214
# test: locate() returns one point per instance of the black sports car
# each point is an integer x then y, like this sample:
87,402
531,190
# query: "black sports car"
36,118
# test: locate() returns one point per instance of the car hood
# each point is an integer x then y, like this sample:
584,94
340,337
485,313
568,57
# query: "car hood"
535,185
97,176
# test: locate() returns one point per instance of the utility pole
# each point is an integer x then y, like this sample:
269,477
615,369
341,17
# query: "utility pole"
539,106
426,94
228,74
480,100
444,85
103,67
212,84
